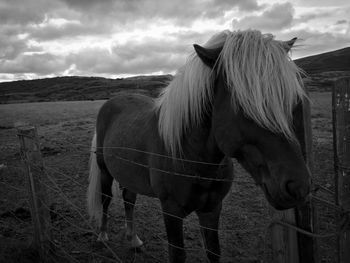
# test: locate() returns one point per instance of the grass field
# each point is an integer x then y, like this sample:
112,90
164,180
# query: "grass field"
65,130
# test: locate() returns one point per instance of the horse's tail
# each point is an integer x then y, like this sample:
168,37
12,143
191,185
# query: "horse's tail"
94,192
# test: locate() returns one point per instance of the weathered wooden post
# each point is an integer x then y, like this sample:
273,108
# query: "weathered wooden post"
284,241
38,199
289,246
341,139
306,215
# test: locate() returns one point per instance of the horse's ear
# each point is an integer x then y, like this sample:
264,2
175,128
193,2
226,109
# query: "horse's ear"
289,44
207,55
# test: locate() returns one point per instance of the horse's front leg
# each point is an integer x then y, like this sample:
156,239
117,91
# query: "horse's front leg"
173,219
209,222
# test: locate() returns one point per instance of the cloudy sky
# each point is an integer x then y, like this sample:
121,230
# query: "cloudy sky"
118,38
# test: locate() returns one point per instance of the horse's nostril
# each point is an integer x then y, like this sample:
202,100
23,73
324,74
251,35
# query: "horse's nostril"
293,189
297,189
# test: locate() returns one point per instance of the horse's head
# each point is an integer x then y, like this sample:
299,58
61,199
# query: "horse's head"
254,103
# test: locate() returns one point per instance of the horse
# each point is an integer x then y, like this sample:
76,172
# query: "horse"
237,96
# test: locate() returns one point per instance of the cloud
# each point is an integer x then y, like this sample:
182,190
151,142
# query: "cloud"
11,47
26,12
12,44
71,29
89,17
312,42
145,57
277,17
341,22
327,3
312,15
216,9
181,11
38,63
138,55
88,37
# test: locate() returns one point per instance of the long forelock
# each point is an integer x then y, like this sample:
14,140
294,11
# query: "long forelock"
263,80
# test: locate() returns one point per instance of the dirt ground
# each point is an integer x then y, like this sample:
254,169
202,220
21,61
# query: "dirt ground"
65,130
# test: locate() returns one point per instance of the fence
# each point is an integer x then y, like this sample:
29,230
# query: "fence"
62,231
341,134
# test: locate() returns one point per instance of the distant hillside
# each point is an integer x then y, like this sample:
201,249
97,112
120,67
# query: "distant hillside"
78,88
321,71
338,60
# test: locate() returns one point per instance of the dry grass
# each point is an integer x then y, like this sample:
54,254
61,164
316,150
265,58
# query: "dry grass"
65,130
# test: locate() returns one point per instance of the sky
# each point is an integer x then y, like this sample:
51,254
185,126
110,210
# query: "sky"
121,38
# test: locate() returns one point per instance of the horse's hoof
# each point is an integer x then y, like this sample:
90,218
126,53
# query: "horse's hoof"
103,237
135,241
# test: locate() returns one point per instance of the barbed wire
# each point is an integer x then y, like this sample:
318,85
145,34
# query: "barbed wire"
86,230
318,186
274,222
12,187
126,202
197,177
226,230
302,231
72,243
150,153
77,209
169,172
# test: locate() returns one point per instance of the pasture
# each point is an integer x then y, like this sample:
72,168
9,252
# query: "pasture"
65,130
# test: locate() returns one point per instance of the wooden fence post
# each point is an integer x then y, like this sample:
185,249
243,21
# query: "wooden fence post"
306,214
341,139
38,199
284,240
289,246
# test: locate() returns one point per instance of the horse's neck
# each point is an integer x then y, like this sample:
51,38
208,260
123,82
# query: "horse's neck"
199,144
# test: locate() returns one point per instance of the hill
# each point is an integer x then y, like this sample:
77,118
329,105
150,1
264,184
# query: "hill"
338,60
321,69
78,88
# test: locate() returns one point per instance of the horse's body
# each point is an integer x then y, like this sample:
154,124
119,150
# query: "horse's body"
178,147
120,126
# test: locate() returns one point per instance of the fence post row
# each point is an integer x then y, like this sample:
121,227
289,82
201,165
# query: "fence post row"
38,198
341,144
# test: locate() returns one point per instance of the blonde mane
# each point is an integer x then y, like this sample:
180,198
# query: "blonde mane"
260,75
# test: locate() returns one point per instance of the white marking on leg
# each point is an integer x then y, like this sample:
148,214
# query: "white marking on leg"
131,236
136,241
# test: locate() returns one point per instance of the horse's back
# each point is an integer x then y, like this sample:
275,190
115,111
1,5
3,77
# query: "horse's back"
123,108
126,126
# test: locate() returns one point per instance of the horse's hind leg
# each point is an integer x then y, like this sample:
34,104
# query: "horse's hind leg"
129,203
209,222
106,189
